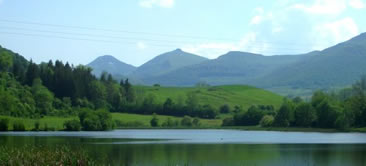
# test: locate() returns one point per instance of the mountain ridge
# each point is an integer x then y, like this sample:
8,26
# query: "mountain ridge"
167,62
338,65
110,64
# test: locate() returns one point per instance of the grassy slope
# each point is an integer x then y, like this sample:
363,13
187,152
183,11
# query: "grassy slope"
216,96
145,119
57,122
52,122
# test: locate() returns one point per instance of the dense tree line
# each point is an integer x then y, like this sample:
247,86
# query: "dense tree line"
60,89
56,88
343,109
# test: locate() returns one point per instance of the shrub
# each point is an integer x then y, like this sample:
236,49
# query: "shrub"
4,124
45,128
267,121
186,121
72,125
135,124
120,123
36,126
169,123
196,122
96,120
228,122
154,121
18,126
224,109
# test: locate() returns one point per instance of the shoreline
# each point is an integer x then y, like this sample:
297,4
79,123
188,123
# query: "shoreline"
256,128
242,128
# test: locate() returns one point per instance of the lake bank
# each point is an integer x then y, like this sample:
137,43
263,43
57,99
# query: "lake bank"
51,123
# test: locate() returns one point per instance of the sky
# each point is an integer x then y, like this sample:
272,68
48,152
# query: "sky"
135,31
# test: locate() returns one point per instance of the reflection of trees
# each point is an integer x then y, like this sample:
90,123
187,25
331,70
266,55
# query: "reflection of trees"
322,154
203,154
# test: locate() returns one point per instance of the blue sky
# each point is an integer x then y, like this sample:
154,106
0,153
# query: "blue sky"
135,31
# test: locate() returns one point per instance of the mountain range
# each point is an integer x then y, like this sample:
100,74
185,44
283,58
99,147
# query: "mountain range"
336,66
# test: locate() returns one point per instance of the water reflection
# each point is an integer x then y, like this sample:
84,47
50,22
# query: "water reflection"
120,151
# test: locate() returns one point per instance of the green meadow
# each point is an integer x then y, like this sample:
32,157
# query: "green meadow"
56,123
216,96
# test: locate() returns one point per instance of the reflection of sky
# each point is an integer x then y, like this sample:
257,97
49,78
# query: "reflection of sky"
212,136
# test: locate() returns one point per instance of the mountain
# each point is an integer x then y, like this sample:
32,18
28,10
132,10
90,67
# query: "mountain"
232,68
111,65
336,66
165,63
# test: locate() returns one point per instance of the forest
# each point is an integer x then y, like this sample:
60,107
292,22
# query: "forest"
341,109
56,89
33,90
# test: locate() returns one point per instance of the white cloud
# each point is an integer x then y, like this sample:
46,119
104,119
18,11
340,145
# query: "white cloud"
214,49
328,7
357,4
337,31
277,29
141,45
256,20
259,10
159,3
289,29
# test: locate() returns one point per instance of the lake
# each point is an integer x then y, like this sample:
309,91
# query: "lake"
206,147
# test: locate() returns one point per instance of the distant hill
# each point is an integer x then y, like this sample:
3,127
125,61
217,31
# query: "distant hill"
165,63
111,65
216,96
336,66
232,68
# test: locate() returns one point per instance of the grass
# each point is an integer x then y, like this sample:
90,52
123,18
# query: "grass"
57,123
36,155
363,129
297,129
216,96
145,119
51,121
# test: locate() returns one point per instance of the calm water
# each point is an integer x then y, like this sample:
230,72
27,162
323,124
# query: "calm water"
206,147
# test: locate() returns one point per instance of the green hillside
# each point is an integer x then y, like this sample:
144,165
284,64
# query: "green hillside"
337,66
135,120
216,96
232,68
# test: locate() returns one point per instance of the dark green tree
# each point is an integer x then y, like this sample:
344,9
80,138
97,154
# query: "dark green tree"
305,115
168,106
6,61
327,114
224,109
154,122
186,121
283,117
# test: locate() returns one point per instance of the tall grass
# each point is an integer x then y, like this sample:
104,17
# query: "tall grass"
38,155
